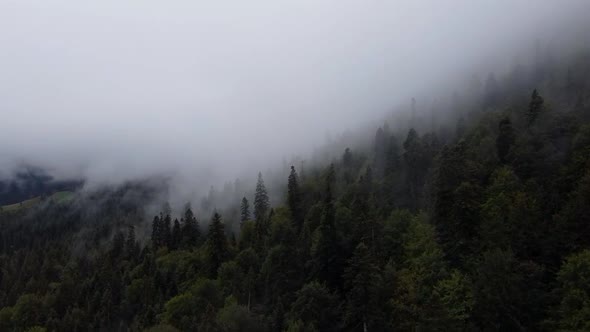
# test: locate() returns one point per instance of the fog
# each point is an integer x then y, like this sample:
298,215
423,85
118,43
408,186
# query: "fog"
207,91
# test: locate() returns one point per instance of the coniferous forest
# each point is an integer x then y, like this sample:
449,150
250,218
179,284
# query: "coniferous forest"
480,222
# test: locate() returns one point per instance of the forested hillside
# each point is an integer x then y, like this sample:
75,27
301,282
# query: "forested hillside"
476,222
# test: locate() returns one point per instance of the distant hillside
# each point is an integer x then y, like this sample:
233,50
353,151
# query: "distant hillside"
30,182
57,197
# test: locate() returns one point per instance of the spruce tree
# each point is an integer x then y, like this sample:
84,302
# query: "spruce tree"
167,231
217,248
190,229
261,201
156,232
244,211
294,200
415,162
327,259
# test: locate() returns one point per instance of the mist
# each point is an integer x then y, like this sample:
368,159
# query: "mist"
205,92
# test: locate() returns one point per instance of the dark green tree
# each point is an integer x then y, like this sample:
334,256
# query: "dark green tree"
167,231
327,259
261,201
217,248
294,200
244,211
190,229
156,232
415,158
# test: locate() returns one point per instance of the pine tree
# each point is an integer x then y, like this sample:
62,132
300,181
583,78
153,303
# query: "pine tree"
294,200
244,211
327,259
261,201
190,230
416,163
156,232
167,231
217,248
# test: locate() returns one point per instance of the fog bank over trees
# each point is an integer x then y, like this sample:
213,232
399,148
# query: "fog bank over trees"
204,93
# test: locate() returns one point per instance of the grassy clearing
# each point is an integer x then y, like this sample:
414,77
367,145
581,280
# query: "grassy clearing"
57,197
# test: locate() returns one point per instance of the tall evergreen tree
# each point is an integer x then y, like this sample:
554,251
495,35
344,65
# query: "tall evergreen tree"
167,231
261,201
190,230
217,247
244,211
156,232
416,163
294,200
327,255
131,246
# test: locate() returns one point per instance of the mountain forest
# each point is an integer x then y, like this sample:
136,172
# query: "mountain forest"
475,220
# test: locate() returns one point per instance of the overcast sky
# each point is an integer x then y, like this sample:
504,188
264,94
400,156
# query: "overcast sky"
120,89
